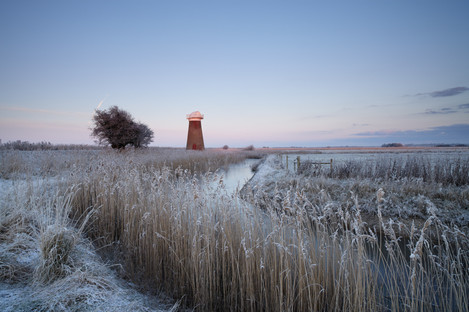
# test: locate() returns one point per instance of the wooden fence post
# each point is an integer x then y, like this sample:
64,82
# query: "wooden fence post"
331,164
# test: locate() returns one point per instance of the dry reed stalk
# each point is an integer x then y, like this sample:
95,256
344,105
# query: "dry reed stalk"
199,238
221,253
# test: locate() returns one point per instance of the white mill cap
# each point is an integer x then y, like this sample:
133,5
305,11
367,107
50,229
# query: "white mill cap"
195,116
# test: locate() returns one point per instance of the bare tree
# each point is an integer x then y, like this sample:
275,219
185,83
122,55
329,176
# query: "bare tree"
117,128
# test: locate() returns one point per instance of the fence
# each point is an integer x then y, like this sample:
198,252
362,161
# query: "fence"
297,163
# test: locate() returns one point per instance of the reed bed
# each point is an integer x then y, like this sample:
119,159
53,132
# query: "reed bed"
182,233
415,186
178,230
46,263
17,164
442,170
215,250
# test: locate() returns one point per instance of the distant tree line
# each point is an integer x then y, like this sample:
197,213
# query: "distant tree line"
392,145
431,145
451,145
117,128
44,146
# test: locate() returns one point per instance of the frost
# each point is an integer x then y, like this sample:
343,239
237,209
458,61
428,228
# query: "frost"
319,241
89,283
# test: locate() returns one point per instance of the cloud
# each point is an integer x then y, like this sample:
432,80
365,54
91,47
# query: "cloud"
449,92
101,103
452,134
308,117
377,133
447,110
446,92
443,111
456,133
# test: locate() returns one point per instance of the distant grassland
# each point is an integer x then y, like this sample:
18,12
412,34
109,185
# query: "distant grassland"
299,246
17,164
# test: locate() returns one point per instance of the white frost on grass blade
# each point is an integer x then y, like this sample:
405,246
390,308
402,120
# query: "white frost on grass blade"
220,253
75,279
403,198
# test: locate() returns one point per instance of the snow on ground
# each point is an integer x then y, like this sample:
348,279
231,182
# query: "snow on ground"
269,173
68,296
88,285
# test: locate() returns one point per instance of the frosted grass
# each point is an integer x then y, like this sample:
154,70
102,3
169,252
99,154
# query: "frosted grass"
221,254
293,244
46,264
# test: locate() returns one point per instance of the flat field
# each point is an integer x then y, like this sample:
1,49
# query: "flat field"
379,230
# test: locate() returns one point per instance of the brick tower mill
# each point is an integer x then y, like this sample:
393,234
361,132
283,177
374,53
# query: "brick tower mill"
195,139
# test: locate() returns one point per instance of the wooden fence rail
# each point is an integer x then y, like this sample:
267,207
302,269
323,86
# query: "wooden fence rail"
297,162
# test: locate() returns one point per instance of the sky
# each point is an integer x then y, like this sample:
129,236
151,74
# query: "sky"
263,73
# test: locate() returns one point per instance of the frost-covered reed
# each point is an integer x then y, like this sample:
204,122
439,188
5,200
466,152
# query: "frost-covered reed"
443,170
15,164
178,230
180,233
217,251
416,186
46,264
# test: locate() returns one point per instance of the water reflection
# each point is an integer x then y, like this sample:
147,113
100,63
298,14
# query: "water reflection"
236,175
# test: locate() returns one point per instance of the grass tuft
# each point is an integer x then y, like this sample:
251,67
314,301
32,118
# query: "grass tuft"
56,245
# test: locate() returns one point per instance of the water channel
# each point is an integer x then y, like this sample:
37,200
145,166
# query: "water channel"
236,175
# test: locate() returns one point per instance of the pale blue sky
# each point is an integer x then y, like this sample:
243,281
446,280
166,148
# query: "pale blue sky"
267,73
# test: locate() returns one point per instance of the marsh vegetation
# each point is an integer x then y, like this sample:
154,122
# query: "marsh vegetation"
287,241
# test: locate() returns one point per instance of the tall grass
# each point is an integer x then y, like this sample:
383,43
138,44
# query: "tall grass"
217,251
443,170
16,164
221,253
415,186
179,231
45,262
45,146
